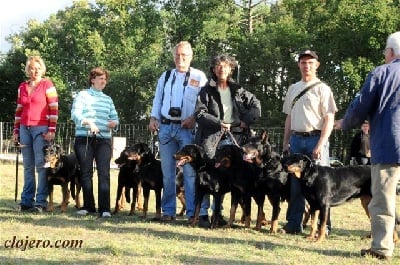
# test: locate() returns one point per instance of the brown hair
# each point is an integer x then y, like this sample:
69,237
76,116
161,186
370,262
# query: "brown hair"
97,71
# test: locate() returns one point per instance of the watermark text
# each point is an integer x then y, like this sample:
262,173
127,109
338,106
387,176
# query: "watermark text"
27,243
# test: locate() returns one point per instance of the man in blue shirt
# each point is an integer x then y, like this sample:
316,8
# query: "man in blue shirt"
379,102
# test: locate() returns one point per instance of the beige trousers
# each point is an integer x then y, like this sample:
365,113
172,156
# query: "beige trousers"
383,206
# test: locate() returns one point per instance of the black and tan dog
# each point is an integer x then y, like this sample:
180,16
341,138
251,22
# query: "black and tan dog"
272,180
242,179
150,175
326,187
209,180
128,179
62,170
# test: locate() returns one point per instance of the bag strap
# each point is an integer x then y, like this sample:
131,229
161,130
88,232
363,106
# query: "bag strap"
167,74
303,92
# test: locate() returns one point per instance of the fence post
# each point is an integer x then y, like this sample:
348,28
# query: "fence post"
1,137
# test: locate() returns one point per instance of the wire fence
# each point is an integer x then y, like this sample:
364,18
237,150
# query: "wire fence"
139,133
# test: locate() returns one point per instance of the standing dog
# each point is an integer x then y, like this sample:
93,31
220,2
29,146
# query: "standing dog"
326,187
150,175
209,180
272,180
242,176
128,179
62,170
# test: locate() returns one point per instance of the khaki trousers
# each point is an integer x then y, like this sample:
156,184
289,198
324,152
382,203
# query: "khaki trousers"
383,206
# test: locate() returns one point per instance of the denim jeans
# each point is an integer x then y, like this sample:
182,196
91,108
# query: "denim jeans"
98,149
295,211
32,153
173,138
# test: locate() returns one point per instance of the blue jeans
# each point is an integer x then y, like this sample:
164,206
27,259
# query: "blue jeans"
173,138
98,149
33,156
295,211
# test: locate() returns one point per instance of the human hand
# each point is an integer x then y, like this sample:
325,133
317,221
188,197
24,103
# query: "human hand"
243,125
153,125
49,136
189,123
225,126
337,125
16,139
93,128
111,124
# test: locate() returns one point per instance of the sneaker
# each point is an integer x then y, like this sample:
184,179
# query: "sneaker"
370,252
38,209
82,212
106,215
204,221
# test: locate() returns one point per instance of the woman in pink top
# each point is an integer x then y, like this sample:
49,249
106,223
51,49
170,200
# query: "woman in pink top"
35,125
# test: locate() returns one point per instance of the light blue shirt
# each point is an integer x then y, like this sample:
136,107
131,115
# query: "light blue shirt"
96,106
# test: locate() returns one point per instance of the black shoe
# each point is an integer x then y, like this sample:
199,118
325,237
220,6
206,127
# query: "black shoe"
204,221
221,221
370,252
23,208
286,230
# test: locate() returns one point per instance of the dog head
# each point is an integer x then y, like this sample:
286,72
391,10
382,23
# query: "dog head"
227,155
123,159
297,164
52,156
140,152
258,150
192,154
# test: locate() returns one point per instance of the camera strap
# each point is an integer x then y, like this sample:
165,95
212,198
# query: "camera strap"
185,82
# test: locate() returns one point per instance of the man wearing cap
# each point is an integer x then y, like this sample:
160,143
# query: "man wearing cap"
308,125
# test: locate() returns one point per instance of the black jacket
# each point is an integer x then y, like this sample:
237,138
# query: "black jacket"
209,111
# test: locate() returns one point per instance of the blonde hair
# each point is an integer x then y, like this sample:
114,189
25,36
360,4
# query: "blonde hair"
34,59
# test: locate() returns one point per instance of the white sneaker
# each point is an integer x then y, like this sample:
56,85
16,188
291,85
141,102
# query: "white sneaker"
106,214
82,212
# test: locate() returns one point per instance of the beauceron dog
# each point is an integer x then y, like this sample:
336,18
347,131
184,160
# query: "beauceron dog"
326,187
209,180
149,171
61,170
272,180
242,176
128,179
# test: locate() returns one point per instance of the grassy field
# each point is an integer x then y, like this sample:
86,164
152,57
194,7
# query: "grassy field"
125,239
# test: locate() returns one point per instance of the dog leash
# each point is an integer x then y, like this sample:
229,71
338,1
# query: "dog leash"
226,132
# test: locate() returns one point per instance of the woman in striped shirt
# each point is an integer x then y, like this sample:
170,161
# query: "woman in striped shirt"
94,115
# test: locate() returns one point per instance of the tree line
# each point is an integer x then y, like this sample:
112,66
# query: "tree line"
133,39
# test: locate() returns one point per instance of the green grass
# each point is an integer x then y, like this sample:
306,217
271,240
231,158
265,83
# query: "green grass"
125,239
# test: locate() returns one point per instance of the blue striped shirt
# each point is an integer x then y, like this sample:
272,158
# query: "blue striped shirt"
96,106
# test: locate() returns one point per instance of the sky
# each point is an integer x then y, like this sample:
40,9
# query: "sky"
15,14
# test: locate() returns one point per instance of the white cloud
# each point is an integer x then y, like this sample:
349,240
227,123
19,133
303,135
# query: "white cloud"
15,14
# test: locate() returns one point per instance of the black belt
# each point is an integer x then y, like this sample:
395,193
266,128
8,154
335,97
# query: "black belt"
307,134
168,121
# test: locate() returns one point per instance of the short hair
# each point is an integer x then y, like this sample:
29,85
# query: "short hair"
393,42
97,71
222,58
34,59
185,45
